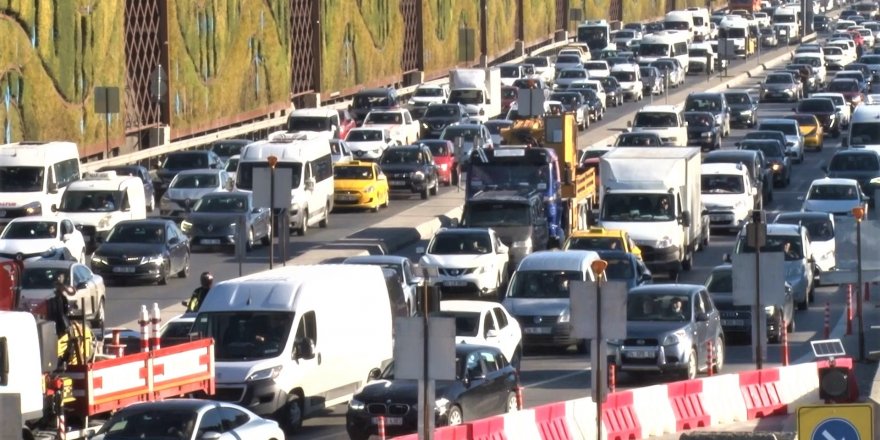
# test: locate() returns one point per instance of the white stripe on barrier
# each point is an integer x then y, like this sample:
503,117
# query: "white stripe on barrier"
723,400
799,385
520,425
654,417
582,414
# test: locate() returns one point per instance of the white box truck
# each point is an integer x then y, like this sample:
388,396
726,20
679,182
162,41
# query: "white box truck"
654,194
478,90
298,339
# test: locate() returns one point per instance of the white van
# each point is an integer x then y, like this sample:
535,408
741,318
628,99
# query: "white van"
310,158
101,200
680,21
34,175
864,128
665,120
538,296
701,23
317,120
298,339
665,44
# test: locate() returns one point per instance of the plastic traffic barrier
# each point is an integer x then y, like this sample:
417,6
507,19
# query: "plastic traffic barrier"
491,428
583,418
686,400
729,409
619,417
799,385
654,412
520,425
552,421
761,392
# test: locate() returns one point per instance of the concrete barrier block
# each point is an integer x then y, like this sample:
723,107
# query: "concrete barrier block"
800,385
724,401
653,409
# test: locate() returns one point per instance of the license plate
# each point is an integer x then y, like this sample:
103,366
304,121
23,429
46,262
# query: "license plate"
396,421
537,330
346,198
455,283
397,183
123,269
640,354
733,322
210,241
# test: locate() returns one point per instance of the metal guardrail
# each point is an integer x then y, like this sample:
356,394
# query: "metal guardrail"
232,132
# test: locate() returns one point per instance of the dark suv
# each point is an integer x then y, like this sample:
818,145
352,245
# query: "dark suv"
860,164
439,116
517,217
411,169
369,99
714,103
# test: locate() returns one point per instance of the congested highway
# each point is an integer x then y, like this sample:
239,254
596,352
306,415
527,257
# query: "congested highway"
547,375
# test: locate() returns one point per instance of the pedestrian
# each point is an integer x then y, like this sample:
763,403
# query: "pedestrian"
199,293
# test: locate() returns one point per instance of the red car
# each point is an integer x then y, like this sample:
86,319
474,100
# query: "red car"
444,156
849,88
346,123
508,97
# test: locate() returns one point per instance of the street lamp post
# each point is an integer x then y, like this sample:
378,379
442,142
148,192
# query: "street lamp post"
859,214
598,267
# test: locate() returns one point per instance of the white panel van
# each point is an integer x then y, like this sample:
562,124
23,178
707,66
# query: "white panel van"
34,175
298,339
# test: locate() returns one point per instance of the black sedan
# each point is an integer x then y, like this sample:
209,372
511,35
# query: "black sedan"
485,385
738,319
216,217
702,131
411,169
144,250
743,109
613,91
824,110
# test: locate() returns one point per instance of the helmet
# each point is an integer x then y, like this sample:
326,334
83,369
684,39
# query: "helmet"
207,278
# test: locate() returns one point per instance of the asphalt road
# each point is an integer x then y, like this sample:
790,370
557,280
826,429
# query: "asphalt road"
547,376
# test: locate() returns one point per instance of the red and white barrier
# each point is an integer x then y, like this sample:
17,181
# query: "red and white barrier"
654,419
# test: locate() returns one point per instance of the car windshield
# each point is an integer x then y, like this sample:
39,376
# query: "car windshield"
90,201
452,243
510,71
778,79
720,281
803,119
624,76
818,229
391,118
657,307
770,149
364,136
595,244
493,127
245,335
467,324
723,184
443,111
466,134
854,162
637,207
737,98
833,192
537,61
41,277
185,161
353,172
542,283
568,59
698,53
573,74
401,156
624,34
568,99
308,123
653,50
843,86
227,149
833,50
822,105
194,181
137,233
650,119
790,245
759,135
870,59
21,179
698,120
429,92
865,133
222,203
660,65
619,269
787,129
647,72
638,140
596,66
815,62
30,230
482,215
366,101
159,424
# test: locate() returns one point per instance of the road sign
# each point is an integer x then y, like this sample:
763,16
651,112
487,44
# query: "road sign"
836,422
584,313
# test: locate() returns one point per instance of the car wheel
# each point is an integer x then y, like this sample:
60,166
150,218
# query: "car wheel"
326,220
425,193
387,199
688,262
436,188
512,403
454,417
777,335
250,240
802,305
290,416
98,316
185,271
691,371
790,328
718,355
304,229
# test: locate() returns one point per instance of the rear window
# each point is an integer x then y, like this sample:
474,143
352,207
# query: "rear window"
737,98
816,105
818,229
788,129
855,162
651,119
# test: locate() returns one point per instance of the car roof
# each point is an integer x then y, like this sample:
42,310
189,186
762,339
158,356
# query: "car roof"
459,305
200,171
731,154
723,168
667,289
598,232
811,215
776,121
170,405
146,221
38,218
834,181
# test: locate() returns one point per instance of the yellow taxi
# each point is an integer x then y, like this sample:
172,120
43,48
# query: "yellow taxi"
811,128
360,184
601,239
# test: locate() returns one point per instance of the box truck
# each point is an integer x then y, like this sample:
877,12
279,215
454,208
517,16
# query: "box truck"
478,90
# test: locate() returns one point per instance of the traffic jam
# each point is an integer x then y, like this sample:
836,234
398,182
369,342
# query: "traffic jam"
127,287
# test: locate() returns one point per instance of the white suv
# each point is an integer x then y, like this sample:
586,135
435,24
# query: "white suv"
665,120
630,79
466,260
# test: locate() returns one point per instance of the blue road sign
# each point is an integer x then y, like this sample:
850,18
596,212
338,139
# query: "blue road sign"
835,429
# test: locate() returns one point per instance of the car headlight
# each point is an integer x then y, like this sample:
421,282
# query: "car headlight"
674,338
369,189
747,112
356,405
776,167
152,259
480,270
441,405
33,208
770,310
523,244
185,226
664,242
564,316
268,373
99,260
418,175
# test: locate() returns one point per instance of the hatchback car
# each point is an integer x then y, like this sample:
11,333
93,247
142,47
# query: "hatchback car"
861,164
216,218
485,323
835,196
736,319
445,159
361,185
187,188
849,88
613,90
824,110
793,242
703,130
781,86
150,250
30,237
638,139
185,160
669,329
714,103
821,230
485,385
410,169
794,139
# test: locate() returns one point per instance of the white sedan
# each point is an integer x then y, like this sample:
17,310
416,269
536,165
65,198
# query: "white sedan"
835,196
27,238
485,323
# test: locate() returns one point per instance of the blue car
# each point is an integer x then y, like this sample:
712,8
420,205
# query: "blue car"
624,266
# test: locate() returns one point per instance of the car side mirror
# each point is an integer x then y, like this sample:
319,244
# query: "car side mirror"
310,184
304,349
726,258
646,277
502,249
685,219
65,237
629,124
753,191
416,281
824,168
702,317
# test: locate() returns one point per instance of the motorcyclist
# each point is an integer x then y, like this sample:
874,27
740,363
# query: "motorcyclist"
198,295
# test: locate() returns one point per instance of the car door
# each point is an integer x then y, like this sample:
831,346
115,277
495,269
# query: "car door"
85,288
73,240
313,200
489,330
176,248
233,420
701,327
496,383
509,335
473,398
